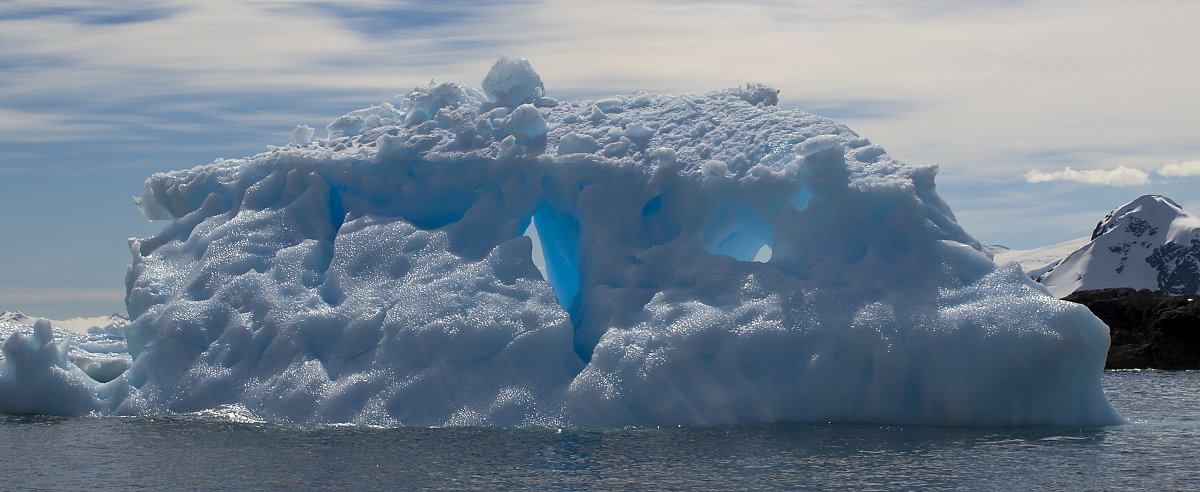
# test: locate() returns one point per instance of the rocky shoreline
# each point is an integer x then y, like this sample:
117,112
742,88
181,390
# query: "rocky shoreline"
1148,330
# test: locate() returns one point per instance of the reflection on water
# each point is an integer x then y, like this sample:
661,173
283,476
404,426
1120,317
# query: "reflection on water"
201,452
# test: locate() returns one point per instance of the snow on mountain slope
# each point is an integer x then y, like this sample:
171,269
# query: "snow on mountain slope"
1033,260
1149,243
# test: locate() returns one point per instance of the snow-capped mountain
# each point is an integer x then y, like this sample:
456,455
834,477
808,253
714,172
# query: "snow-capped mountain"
1149,243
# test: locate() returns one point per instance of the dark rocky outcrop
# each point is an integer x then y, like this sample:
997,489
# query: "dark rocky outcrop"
1147,328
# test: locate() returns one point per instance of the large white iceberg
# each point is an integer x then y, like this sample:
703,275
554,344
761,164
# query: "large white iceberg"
383,276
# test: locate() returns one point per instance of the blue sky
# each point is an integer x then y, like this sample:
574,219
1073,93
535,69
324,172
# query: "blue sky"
1042,115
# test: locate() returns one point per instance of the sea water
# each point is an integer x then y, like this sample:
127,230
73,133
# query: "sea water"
1157,450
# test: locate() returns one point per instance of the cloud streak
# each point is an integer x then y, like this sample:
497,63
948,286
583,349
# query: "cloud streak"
1121,176
1180,169
927,61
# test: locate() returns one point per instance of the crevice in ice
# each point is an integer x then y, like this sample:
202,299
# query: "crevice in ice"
337,212
337,217
558,234
559,237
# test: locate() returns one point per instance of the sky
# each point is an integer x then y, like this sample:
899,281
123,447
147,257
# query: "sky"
1042,116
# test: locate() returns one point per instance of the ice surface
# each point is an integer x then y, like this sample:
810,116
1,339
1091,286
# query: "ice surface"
382,276
512,82
39,374
303,135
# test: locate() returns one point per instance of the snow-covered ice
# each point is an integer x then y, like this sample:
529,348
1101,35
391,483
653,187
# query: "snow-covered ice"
382,276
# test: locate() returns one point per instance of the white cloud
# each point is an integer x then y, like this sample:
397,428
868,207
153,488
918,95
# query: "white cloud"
1121,176
1180,169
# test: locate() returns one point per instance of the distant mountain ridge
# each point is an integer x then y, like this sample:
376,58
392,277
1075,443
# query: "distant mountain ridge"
78,325
1148,243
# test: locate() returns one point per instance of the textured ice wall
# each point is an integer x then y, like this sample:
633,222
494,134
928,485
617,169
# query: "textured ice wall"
381,276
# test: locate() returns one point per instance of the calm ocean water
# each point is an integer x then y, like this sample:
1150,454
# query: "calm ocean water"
1158,450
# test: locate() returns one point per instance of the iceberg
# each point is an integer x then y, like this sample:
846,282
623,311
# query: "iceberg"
708,259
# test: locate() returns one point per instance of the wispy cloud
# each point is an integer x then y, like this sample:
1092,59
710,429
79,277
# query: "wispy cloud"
34,126
1180,169
87,13
386,18
83,70
917,65
1121,176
